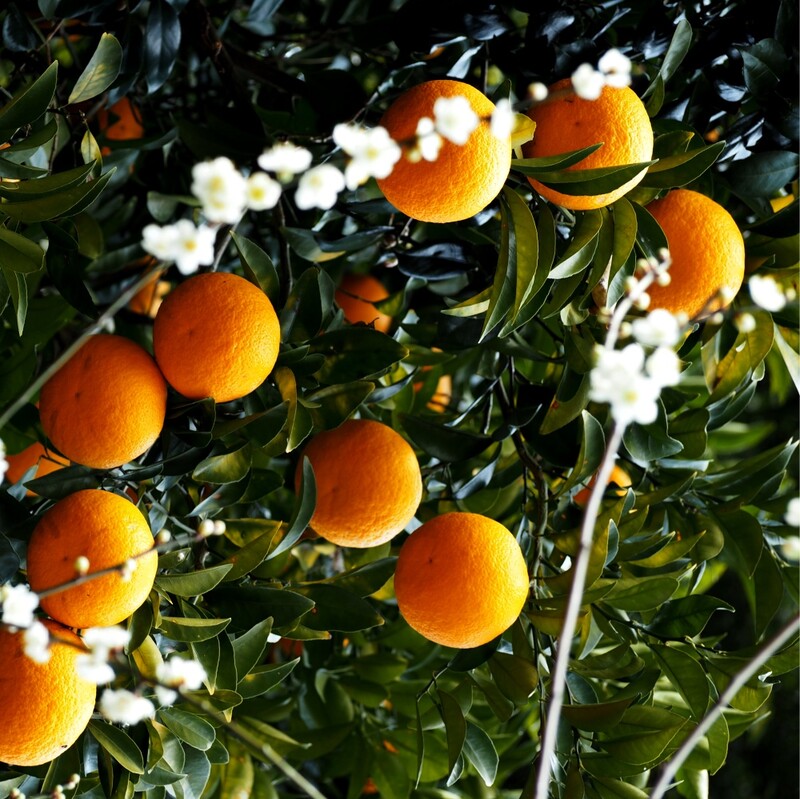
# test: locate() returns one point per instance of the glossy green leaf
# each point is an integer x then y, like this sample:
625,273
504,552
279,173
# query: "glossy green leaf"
687,616
192,630
545,164
515,676
258,266
445,443
480,751
195,583
597,717
354,353
643,734
581,250
639,594
592,181
20,254
744,356
676,52
118,744
501,300
191,728
367,579
593,444
455,726
302,511
29,104
763,174
264,678
338,609
682,168
101,71
687,675
229,467
249,648
250,604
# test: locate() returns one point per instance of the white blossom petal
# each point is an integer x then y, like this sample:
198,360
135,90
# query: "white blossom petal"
766,293
792,516
36,642
658,328
125,707
285,159
262,192
616,68
454,118
94,669
319,187
502,122
19,602
588,82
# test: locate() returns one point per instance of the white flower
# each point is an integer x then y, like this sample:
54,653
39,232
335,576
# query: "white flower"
745,322
220,187
262,192
106,638
454,118
658,328
792,516
538,91
428,143
36,642
619,380
766,293
285,159
790,548
178,673
273,638
319,188
616,68
124,707
373,152
194,246
3,461
588,82
160,241
502,123
664,367
93,668
19,602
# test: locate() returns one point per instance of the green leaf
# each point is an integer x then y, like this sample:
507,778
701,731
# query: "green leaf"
643,734
455,727
581,249
250,604
101,71
652,441
638,593
249,648
380,667
302,512
258,266
515,676
18,253
445,443
676,52
29,104
57,204
119,745
367,579
592,181
687,675
569,402
192,630
338,609
597,717
682,168
353,353
264,678
480,751
229,467
191,729
544,164
687,616
193,584
501,300
593,444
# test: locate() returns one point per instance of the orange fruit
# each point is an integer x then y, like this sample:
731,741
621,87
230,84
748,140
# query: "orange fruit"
461,580
707,251
619,477
565,122
122,122
464,179
33,455
356,295
108,530
368,482
46,706
106,405
216,335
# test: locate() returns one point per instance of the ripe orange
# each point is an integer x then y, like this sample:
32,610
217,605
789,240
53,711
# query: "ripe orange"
464,179
122,122
216,335
461,580
108,530
46,706
707,251
33,455
106,405
356,295
619,477
565,122
368,483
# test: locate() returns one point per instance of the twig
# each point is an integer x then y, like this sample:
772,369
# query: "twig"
559,676
677,760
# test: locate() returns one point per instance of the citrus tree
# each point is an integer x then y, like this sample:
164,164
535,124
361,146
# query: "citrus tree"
398,398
